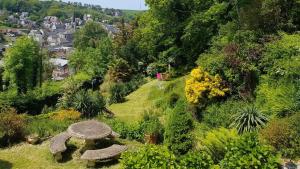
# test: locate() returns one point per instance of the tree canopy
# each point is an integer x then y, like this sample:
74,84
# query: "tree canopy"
21,64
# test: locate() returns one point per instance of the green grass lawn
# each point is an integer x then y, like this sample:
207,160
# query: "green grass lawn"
145,99
26,156
136,103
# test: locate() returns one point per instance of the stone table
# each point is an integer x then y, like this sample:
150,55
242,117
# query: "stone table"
90,131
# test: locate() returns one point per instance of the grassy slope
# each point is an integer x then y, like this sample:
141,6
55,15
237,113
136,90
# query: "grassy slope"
145,98
137,102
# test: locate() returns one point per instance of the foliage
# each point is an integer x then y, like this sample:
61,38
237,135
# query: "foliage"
93,61
150,156
196,160
281,57
280,98
44,125
12,127
62,115
154,68
33,101
247,152
126,131
249,119
220,114
179,125
89,103
120,71
201,86
22,64
117,93
282,134
151,124
216,142
89,36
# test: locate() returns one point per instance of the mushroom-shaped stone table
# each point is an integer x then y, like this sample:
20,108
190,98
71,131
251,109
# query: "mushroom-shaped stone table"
90,131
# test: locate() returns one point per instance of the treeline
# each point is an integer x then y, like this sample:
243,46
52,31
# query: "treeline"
39,9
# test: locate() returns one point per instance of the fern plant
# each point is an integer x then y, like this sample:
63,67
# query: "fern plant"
249,119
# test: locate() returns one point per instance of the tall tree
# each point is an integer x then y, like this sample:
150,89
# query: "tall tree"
89,36
21,64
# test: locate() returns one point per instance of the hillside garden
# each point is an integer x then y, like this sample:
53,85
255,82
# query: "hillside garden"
229,97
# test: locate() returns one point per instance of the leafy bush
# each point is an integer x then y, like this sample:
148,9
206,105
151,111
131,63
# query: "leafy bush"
126,131
62,115
44,126
179,125
249,119
148,157
117,93
202,86
89,103
151,124
217,141
247,152
278,98
281,57
219,114
155,68
282,134
12,126
196,160
120,71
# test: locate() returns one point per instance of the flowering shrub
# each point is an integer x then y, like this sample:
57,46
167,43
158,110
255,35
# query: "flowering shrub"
201,85
66,115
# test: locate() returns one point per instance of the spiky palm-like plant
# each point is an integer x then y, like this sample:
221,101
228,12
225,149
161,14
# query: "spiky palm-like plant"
249,119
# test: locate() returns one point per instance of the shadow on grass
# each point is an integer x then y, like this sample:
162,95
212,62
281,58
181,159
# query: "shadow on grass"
67,155
5,164
104,143
106,164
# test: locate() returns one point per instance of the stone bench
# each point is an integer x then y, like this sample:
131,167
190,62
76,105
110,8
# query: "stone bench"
103,155
58,145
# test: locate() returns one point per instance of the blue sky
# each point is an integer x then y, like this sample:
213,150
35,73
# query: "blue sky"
118,4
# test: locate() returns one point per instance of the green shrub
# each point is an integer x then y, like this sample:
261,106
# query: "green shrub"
127,131
278,98
247,152
217,141
151,124
44,126
12,126
178,130
249,119
89,103
219,114
120,71
196,160
281,58
117,93
282,134
155,68
148,157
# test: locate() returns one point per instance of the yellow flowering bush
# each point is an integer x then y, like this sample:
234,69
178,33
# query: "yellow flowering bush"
62,115
201,85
